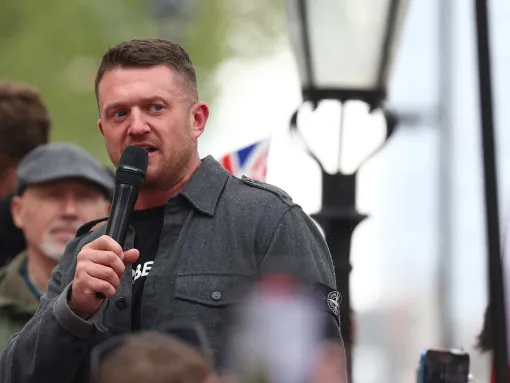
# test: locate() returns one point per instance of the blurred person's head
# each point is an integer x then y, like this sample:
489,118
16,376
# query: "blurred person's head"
60,187
24,124
146,91
153,357
284,332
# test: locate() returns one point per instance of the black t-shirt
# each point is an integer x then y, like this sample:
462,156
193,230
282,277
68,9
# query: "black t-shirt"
148,225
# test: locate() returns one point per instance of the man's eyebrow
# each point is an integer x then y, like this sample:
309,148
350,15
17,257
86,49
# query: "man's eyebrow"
143,101
114,105
153,99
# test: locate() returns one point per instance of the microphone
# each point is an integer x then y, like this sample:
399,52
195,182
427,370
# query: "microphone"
129,179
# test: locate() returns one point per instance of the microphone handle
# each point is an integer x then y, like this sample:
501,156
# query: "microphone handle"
123,204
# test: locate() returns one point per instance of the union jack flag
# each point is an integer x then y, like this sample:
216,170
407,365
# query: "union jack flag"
250,161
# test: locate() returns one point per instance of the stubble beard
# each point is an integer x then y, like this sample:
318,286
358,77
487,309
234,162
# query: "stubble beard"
171,172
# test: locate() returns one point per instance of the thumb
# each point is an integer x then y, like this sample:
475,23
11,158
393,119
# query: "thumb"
131,256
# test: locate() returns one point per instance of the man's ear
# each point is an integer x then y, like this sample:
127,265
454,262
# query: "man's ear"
16,211
199,114
100,126
107,208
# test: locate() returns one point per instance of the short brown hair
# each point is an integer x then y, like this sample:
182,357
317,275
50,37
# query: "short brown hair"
146,53
153,357
24,120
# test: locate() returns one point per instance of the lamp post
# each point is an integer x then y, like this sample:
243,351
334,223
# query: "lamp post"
344,51
497,307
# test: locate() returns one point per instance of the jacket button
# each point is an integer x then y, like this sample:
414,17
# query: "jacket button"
121,303
216,296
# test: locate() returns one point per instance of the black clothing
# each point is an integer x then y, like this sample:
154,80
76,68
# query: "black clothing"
148,225
12,241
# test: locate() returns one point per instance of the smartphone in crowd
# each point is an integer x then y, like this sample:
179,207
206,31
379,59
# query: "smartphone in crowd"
443,366
276,335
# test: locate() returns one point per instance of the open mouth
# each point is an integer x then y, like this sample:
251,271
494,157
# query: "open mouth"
150,149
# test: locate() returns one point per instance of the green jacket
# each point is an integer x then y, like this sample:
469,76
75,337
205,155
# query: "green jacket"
17,302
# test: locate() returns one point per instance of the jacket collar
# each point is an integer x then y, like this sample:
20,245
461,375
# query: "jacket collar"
202,191
204,188
14,292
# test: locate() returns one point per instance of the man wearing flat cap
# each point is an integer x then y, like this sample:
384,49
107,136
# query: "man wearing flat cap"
60,187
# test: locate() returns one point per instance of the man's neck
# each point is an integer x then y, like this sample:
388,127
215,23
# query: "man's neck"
152,197
39,268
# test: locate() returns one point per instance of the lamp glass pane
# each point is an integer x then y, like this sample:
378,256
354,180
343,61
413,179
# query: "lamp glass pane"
346,42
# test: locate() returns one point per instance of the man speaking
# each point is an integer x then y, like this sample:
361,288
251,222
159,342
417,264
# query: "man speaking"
196,237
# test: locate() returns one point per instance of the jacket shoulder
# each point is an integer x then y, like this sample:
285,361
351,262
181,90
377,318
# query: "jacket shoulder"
268,188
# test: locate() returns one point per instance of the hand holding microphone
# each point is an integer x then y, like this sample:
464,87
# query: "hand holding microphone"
100,265
102,262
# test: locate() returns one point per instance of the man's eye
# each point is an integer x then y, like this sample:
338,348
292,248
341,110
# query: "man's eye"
86,196
157,108
52,194
119,114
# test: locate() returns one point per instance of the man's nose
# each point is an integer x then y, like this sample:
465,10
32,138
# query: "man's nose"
70,207
137,124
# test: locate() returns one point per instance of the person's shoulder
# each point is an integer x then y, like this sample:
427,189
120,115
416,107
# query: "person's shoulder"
12,292
13,267
259,192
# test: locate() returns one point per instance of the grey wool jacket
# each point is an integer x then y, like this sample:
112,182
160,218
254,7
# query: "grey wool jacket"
237,230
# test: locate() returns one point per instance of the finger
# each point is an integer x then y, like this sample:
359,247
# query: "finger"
105,243
104,273
109,259
131,256
96,285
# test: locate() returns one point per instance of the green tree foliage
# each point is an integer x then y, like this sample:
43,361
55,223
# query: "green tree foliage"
56,46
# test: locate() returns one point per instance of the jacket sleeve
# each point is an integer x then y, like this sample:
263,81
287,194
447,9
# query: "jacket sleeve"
298,248
54,344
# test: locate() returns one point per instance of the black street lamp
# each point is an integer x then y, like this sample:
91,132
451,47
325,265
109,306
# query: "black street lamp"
496,272
344,51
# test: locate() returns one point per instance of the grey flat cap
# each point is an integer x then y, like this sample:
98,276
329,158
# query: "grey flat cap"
59,161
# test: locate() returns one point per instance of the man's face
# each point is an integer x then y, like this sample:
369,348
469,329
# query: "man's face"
151,107
49,214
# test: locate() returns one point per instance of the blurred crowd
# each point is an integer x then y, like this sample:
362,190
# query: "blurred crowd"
48,191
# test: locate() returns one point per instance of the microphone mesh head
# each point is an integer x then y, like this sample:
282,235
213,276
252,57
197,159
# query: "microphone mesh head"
132,166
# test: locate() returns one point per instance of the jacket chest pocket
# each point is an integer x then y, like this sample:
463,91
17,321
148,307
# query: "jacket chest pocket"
213,290
206,297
